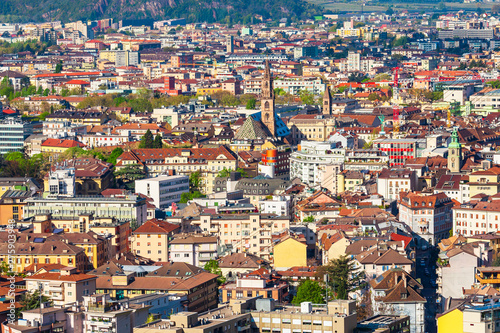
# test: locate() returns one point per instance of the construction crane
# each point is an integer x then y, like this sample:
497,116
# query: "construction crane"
395,84
396,109
448,114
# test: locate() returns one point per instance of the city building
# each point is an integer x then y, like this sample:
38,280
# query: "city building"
391,182
193,249
311,156
151,239
164,190
429,216
399,150
13,132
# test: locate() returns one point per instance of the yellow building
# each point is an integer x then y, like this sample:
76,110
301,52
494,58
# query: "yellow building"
208,91
451,322
151,240
53,252
487,182
290,252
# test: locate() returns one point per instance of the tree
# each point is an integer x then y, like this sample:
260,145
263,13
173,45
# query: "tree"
194,180
158,143
129,174
114,155
306,97
30,301
343,276
59,67
147,140
188,196
212,266
309,291
224,173
308,219
251,104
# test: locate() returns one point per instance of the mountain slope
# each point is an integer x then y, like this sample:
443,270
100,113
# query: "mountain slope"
192,10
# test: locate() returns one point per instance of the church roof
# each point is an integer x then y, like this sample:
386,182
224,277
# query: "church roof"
281,129
252,130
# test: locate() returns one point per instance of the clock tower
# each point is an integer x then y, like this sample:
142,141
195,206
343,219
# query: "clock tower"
454,153
268,117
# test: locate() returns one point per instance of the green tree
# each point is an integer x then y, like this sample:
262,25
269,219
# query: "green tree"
343,276
46,92
147,140
194,180
251,104
114,155
188,196
212,266
128,175
243,173
59,67
30,301
224,173
308,219
306,97
309,291
157,143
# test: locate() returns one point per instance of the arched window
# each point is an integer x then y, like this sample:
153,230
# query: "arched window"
266,105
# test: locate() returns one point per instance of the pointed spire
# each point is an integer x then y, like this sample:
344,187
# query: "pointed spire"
267,72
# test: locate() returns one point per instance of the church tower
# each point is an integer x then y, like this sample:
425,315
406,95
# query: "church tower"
454,153
327,102
267,101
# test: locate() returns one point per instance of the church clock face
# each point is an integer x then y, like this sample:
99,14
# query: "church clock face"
453,159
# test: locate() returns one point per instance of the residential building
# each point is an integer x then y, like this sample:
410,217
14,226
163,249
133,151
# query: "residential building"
151,240
193,249
375,261
293,85
429,216
258,283
398,293
53,252
455,187
164,190
13,132
457,270
126,208
318,206
290,251
55,147
485,182
278,205
184,161
391,182
306,162
476,217
60,182
64,287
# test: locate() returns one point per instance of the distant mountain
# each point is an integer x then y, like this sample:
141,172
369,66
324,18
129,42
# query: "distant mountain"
192,10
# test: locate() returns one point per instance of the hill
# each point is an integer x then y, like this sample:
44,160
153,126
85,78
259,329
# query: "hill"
230,11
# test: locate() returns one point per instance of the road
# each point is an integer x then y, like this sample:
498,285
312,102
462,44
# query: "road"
429,292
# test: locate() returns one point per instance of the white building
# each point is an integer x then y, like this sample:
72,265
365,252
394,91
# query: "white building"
306,163
62,182
293,85
164,190
279,205
62,129
353,61
391,182
193,249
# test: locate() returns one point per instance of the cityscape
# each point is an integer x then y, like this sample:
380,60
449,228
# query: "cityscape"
270,167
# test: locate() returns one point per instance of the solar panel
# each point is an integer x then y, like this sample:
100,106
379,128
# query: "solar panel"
39,240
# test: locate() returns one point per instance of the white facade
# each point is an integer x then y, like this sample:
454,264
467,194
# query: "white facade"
61,129
306,164
458,274
192,251
296,84
164,190
468,220
279,205
62,182
103,140
390,187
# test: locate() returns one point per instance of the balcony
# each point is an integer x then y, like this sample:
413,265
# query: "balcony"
490,279
99,308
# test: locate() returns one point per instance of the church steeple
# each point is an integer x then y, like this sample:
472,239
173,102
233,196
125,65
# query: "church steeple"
327,102
268,116
454,153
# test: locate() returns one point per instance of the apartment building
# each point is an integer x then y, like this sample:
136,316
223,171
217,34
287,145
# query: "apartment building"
193,249
255,314
164,190
429,216
476,217
13,132
64,287
308,161
391,182
250,233
184,161
485,182
126,208
293,85
53,252
151,240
